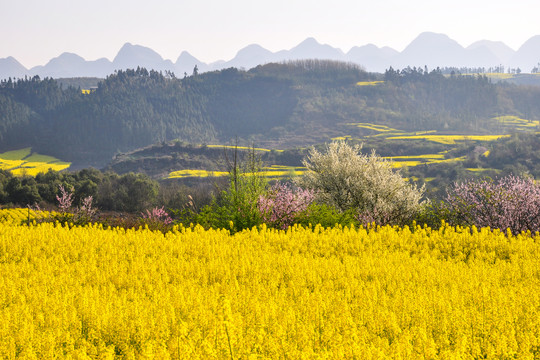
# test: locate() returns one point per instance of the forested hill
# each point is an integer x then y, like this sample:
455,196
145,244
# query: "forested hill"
275,106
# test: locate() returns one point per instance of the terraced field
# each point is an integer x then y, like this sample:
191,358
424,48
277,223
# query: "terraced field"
25,162
272,172
369,83
448,139
508,124
240,148
190,173
375,127
516,123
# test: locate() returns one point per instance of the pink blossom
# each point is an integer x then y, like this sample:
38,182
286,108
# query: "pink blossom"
65,201
86,209
282,204
157,215
510,202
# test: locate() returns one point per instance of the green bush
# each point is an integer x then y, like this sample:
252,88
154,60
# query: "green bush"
326,216
235,208
433,214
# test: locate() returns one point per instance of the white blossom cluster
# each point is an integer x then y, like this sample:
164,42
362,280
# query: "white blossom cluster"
348,180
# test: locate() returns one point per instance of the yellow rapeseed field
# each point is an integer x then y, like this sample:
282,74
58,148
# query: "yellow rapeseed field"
17,216
337,293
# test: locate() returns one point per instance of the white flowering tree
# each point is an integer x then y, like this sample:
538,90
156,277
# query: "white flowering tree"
346,179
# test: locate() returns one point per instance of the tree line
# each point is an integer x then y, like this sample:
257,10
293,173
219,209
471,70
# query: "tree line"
111,192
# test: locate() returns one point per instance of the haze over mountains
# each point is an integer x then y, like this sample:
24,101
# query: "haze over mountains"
428,49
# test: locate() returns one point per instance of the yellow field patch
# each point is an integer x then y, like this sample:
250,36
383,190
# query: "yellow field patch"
400,164
24,162
274,171
449,139
36,168
501,76
369,83
280,171
187,173
479,169
516,122
415,160
415,157
10,164
374,127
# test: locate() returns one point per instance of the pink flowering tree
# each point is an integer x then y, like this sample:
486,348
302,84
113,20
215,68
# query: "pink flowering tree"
87,212
510,202
65,199
282,204
80,215
157,219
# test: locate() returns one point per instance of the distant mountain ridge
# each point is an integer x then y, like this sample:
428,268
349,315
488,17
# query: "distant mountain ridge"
428,49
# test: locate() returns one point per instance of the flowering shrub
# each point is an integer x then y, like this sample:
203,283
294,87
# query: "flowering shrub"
65,199
81,215
282,204
156,219
510,202
326,216
86,212
157,214
348,180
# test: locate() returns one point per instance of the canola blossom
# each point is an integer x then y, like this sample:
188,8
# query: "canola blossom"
336,293
18,216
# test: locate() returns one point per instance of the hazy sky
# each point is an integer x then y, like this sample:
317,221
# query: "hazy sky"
34,31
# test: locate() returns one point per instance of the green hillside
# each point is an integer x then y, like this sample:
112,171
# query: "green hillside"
435,163
275,106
